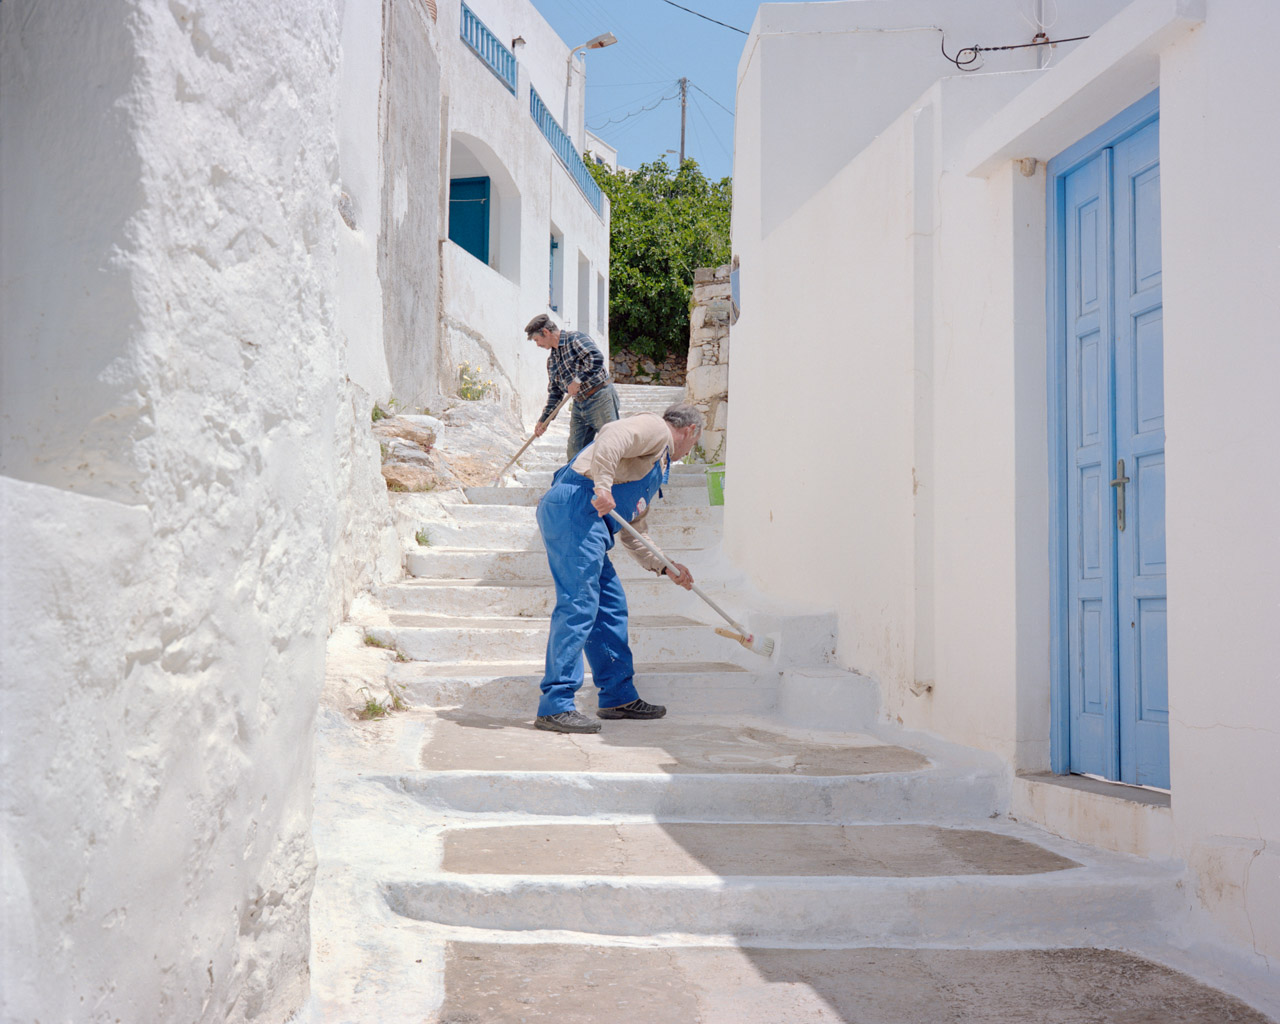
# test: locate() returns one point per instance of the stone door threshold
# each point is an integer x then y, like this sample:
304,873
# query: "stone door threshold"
1102,787
1126,819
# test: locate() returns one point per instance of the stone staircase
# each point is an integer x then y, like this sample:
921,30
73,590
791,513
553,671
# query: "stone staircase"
768,852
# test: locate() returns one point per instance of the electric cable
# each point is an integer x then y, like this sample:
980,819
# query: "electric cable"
696,14
634,52
712,98
966,63
634,113
711,128
646,97
664,82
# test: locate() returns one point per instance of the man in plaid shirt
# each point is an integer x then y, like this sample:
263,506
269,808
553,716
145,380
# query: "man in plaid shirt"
577,368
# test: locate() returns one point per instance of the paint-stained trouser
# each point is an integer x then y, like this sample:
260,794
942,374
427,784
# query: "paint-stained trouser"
590,616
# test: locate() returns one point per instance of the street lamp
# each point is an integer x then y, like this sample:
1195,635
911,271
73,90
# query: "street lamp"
598,43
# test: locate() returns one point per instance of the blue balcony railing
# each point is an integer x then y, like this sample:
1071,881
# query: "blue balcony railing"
563,147
484,44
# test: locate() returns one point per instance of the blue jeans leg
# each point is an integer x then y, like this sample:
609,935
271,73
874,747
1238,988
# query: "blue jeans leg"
588,416
607,649
577,544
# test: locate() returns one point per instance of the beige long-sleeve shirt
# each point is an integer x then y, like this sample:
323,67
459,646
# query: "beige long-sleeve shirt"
626,450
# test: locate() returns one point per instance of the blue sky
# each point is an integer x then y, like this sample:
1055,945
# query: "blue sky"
657,44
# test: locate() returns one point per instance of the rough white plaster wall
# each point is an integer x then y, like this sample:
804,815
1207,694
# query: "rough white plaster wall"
836,74
163,658
359,313
1220,223
982,463
411,219
823,493
67,192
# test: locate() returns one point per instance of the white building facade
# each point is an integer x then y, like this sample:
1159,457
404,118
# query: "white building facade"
1019,319
527,226
472,209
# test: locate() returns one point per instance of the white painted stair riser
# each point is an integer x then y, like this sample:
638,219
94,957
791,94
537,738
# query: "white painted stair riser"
511,495
665,644
665,515
447,563
1061,908
516,696
928,795
500,536
646,596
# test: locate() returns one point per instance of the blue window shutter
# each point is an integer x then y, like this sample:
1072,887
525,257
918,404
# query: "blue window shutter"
469,215
551,280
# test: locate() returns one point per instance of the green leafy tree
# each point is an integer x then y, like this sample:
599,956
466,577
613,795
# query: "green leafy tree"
664,225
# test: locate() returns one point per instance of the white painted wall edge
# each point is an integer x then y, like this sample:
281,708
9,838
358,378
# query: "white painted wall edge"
1112,69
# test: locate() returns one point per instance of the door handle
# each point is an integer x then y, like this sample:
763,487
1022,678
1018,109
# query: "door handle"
1119,483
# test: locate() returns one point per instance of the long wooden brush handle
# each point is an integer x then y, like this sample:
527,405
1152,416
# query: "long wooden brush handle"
503,471
654,551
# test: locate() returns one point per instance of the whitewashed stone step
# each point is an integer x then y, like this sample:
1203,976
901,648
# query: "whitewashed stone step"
685,850
664,638
659,392
511,689
673,515
1061,908
672,496
542,478
500,536
647,595
736,794
721,766
451,563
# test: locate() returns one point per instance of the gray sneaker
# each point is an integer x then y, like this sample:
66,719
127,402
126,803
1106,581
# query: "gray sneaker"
566,721
636,709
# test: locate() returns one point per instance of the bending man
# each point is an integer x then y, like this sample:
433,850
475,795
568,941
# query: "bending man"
575,367
623,468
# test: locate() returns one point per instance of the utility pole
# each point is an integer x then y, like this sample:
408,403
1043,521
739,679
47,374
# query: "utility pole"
684,97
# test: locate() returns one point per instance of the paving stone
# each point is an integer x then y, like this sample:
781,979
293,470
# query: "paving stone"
490,983
723,850
467,741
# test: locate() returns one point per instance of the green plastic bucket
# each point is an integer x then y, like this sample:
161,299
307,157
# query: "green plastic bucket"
715,483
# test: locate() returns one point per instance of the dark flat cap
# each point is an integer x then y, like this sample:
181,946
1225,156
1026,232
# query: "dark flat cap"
539,323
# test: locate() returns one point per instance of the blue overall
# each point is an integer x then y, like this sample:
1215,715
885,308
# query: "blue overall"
591,608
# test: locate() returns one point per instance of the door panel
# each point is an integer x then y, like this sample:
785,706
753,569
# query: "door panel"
1139,384
1090,554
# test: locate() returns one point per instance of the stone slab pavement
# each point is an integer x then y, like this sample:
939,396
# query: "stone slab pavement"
726,850
463,740
492,983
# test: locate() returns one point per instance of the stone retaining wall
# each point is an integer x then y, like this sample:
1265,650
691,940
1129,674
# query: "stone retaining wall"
629,368
707,378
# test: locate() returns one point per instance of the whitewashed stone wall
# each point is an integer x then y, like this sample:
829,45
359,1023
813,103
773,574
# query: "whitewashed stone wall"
189,498
707,377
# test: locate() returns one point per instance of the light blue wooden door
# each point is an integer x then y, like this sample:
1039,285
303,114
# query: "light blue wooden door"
1109,310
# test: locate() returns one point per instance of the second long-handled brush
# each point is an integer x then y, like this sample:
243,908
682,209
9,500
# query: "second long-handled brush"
497,480
762,645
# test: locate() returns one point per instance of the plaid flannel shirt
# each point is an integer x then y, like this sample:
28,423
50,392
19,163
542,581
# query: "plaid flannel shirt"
576,358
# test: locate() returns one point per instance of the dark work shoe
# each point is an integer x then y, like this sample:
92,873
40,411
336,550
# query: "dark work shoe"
636,709
566,721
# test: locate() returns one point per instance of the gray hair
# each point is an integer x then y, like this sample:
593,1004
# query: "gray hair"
682,414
